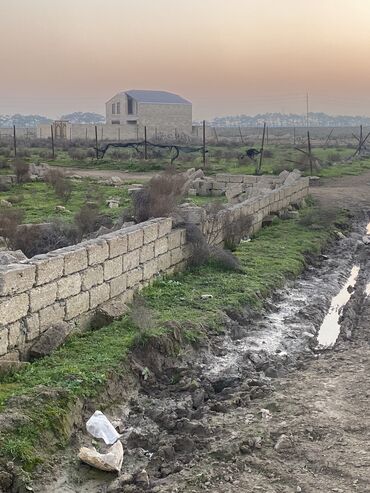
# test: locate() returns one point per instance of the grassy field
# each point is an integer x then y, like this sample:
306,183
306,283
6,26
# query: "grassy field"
220,158
38,199
47,390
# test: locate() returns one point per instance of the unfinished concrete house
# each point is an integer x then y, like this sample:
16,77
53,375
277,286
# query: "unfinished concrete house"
162,110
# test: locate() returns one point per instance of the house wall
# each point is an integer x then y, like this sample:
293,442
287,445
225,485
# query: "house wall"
166,117
69,284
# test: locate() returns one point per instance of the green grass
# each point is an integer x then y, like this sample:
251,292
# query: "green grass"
82,367
38,200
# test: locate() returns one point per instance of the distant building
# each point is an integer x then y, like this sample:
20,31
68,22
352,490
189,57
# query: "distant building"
161,110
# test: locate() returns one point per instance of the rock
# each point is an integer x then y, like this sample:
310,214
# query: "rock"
142,479
198,398
108,313
111,461
7,367
113,203
5,203
265,414
11,257
283,443
117,485
207,296
133,190
366,239
50,340
61,208
192,192
292,177
184,444
116,180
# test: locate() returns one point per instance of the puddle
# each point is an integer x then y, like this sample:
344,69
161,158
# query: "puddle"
330,328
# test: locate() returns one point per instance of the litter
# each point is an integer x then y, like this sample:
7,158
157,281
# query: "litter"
99,426
111,461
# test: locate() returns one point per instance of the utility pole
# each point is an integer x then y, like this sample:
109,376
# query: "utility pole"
309,152
204,143
52,141
307,120
14,142
96,142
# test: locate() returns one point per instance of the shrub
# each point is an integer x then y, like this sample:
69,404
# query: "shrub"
77,154
318,218
4,165
62,187
35,239
267,153
22,169
141,315
235,231
159,197
88,219
22,152
10,219
334,157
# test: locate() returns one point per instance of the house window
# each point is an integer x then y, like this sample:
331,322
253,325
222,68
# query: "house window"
130,105
116,122
113,109
118,108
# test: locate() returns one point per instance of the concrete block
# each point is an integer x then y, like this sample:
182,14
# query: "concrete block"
68,286
131,260
91,277
135,238
118,285
16,278
164,226
150,233
160,246
176,256
146,252
112,268
97,251
164,262
236,178
76,305
32,326
50,340
150,269
117,244
13,308
51,314
134,276
3,340
174,239
74,260
48,268
99,295
16,336
43,296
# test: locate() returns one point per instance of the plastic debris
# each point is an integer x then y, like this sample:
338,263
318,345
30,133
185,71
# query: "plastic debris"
111,461
99,426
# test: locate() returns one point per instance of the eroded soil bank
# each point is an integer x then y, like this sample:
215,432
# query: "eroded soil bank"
255,408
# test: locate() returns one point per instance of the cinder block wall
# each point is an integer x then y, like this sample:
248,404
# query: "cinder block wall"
69,284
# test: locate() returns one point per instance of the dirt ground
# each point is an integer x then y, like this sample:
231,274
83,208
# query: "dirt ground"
235,418
98,173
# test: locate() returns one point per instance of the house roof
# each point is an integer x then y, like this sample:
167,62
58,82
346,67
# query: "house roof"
159,97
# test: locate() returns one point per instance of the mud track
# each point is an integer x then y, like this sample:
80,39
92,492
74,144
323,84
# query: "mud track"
257,408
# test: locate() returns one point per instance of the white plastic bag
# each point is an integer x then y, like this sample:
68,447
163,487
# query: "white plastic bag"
111,461
99,426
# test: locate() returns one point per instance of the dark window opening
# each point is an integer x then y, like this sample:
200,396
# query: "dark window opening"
130,105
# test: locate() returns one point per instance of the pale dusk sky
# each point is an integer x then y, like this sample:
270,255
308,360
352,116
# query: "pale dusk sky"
226,56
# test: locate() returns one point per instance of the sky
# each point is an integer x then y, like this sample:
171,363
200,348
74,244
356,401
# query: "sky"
226,56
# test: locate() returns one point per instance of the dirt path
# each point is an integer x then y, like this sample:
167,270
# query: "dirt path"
352,192
97,173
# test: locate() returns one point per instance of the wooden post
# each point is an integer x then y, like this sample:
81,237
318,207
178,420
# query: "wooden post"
267,136
309,151
86,134
14,141
145,145
241,136
119,133
204,143
96,142
293,135
361,138
214,128
258,171
70,132
52,141
156,134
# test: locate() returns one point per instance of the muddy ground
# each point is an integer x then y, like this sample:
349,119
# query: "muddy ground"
258,408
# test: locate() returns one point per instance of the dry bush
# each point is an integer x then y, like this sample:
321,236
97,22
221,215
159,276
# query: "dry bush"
22,152
334,157
4,165
159,197
88,220
200,251
318,218
267,153
77,154
5,151
235,231
22,170
62,186
141,315
10,219
36,239
225,259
